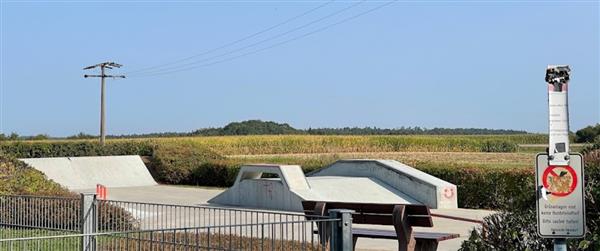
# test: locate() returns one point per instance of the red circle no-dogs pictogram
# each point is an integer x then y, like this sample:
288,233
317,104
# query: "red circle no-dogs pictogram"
560,180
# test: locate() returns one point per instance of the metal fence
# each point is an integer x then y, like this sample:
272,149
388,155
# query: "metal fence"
51,223
127,215
23,216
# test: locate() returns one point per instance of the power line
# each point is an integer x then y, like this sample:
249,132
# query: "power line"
102,76
276,44
256,43
235,41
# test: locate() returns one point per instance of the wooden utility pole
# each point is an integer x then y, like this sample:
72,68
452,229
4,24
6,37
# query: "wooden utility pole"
102,76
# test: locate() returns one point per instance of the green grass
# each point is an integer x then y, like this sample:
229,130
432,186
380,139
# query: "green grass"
158,240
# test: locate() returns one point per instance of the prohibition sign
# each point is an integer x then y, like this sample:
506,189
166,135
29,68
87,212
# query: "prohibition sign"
551,171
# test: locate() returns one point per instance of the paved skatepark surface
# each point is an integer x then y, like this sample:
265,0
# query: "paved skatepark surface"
181,195
199,196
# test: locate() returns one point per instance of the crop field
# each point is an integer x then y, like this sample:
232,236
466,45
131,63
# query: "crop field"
473,159
284,144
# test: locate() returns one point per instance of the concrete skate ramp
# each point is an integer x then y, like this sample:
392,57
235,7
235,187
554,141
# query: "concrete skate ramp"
427,189
77,173
252,190
365,181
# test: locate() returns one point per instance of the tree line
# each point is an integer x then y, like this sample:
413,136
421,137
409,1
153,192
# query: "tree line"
259,127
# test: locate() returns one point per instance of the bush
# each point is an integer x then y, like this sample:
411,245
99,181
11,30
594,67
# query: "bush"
46,149
219,173
498,146
175,162
508,231
515,229
486,188
16,177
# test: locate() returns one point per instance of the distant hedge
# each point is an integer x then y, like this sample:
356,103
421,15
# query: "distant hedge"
46,149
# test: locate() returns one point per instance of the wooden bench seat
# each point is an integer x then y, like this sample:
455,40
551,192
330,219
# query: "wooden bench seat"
391,234
402,217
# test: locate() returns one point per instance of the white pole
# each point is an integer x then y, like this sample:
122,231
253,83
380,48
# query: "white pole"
557,78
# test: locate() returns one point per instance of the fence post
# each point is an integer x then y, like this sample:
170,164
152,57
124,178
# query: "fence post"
89,221
341,231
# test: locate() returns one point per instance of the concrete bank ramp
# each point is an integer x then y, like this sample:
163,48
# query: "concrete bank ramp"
365,181
78,173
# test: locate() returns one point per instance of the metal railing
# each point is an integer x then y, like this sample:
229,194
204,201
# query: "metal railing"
271,236
51,223
22,216
127,215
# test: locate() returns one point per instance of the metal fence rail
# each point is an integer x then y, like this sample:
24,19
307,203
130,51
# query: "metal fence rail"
22,216
127,215
293,235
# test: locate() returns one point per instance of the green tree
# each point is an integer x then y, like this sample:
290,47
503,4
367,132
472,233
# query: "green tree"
13,136
40,137
587,134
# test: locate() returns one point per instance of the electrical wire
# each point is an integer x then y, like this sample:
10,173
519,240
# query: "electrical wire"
276,44
259,42
235,41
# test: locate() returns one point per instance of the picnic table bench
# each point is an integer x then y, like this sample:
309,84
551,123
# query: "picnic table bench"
402,217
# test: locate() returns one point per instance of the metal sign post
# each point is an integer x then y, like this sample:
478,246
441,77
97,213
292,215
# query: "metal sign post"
559,174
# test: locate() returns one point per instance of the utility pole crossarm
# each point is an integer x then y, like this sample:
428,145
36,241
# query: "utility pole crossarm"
106,76
108,65
102,76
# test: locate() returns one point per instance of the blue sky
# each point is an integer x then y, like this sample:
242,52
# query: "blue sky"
409,63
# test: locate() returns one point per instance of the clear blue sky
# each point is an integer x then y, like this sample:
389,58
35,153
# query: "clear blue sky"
410,63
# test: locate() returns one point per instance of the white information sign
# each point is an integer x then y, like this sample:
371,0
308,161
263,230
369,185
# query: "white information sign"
560,200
